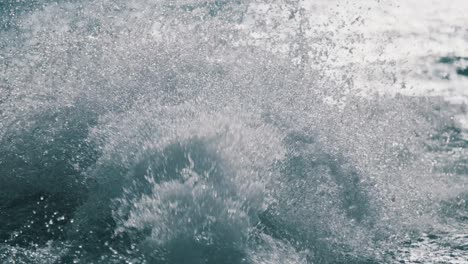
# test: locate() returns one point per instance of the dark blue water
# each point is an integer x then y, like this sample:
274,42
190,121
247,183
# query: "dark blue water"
212,132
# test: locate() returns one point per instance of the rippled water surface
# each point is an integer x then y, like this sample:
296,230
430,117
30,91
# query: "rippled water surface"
232,131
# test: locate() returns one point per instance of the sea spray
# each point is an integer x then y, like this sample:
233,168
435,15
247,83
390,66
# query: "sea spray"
204,132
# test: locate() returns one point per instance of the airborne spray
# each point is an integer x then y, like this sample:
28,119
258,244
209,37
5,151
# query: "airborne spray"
143,131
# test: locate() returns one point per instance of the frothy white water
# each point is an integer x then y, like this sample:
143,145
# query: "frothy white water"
217,131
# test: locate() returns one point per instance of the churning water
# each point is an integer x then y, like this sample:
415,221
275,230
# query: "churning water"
233,131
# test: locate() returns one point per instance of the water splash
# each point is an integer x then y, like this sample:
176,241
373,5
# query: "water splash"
209,132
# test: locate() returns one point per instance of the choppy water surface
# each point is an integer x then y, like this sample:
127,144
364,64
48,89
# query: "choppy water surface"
183,131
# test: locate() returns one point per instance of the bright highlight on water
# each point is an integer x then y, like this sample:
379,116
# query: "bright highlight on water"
232,131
